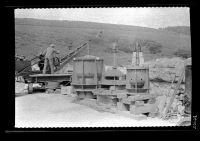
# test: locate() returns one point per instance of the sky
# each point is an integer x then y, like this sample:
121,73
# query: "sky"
145,17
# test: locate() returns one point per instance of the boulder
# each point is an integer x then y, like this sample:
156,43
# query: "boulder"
20,87
164,69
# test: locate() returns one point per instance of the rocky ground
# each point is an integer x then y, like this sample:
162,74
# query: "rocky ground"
162,72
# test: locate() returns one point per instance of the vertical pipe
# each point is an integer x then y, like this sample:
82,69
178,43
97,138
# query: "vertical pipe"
136,79
148,80
114,55
83,74
88,48
137,55
96,76
114,60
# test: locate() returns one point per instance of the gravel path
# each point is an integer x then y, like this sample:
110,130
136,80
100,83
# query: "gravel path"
55,110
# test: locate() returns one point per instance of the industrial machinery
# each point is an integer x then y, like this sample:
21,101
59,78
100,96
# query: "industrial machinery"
137,79
137,98
113,82
51,82
22,67
128,92
87,75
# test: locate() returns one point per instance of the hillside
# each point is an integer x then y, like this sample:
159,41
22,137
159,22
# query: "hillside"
32,36
178,29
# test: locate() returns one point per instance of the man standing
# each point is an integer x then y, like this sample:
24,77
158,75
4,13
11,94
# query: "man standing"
49,55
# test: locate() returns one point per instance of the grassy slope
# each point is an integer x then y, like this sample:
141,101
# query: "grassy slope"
33,36
178,29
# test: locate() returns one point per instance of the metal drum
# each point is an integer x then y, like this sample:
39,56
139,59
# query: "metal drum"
137,79
87,73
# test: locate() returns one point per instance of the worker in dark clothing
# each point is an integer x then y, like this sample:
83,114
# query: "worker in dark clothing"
49,55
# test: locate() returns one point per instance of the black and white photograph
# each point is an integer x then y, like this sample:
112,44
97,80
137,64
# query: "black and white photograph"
103,67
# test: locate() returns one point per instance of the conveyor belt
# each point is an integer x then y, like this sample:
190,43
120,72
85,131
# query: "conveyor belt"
70,56
66,59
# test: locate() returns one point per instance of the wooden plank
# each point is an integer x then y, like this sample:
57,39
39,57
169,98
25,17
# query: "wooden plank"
46,79
173,95
122,95
52,85
136,93
140,97
106,100
125,100
49,75
83,90
110,92
121,106
114,82
139,103
161,100
147,108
